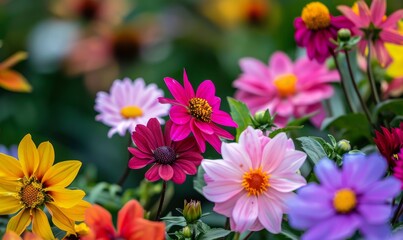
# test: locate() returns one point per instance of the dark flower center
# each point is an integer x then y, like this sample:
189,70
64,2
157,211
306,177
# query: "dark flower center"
164,155
126,45
88,9
200,109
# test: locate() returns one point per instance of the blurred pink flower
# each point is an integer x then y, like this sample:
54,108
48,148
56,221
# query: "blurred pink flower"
393,88
128,104
285,88
315,28
170,160
374,25
197,113
252,182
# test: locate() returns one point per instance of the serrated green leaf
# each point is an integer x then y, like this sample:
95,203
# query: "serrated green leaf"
171,221
312,148
240,114
213,233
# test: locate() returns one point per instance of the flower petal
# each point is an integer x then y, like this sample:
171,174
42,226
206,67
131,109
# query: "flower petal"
126,217
206,90
378,10
245,212
60,219
100,222
179,176
14,81
166,172
61,174
187,166
152,173
9,204
392,19
179,115
190,93
28,156
145,229
40,224
65,198
328,174
270,214
348,13
273,152
19,222
249,139
221,190
46,158
287,182
77,212
236,154
223,118
179,132
204,127
10,167
176,90
280,64
375,213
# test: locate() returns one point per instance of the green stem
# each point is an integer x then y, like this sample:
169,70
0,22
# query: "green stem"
248,236
397,212
357,91
369,72
164,188
343,84
236,236
127,170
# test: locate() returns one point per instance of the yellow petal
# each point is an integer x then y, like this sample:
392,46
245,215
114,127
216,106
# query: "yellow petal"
9,204
65,198
14,81
10,167
60,219
61,174
40,225
9,184
11,236
19,222
14,59
28,155
46,158
77,212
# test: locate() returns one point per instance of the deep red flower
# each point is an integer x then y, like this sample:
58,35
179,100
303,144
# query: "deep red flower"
171,160
389,143
398,169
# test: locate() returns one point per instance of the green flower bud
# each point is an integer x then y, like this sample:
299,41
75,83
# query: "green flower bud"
187,232
344,34
192,211
343,146
262,120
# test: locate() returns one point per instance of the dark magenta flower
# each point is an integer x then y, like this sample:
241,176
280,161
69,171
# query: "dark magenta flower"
170,160
198,113
398,169
315,28
354,197
389,143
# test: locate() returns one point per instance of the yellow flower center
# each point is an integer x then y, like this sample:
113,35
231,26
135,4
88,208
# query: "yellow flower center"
395,156
200,109
32,194
255,181
344,200
286,84
131,111
316,16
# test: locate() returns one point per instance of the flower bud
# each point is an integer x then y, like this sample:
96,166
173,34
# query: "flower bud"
343,146
344,34
263,120
192,211
187,232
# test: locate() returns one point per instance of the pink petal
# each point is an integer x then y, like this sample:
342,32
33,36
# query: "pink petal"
152,173
137,163
194,157
273,153
392,20
176,90
319,117
206,90
166,172
280,64
141,142
245,212
168,100
179,115
154,125
139,154
270,214
287,182
249,139
223,118
221,191
225,208
222,170
222,133
348,13
190,93
179,176
253,67
236,155
198,136
214,141
382,54
147,135
378,10
187,166
365,13
291,162
392,36
284,108
204,127
179,132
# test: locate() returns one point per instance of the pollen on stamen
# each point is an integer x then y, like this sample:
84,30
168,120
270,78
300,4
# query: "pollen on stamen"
255,182
200,109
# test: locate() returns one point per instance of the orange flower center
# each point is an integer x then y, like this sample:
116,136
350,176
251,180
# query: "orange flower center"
255,181
286,84
200,109
32,194
344,200
316,16
131,111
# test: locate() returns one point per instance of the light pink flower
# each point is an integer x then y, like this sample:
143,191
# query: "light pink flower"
253,180
198,113
128,104
372,21
285,88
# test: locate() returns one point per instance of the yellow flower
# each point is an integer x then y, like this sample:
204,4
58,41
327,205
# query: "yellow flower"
395,70
10,79
31,183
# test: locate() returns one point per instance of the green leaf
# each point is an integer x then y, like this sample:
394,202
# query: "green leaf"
287,231
171,221
198,182
213,233
284,129
312,148
302,120
351,126
394,106
332,140
240,113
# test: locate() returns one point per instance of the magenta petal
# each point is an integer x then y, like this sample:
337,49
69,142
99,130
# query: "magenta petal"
190,93
166,172
378,10
214,141
152,173
137,163
223,118
187,166
204,127
179,115
392,36
198,136
179,176
222,133
155,127
179,132
176,90
139,154
168,100
382,54
206,90
392,19
348,13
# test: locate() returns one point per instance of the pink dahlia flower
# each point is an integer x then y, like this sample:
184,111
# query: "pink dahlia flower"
285,88
252,182
170,160
128,104
374,25
315,28
198,113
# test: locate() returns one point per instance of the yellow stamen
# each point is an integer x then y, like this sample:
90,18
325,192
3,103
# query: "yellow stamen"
255,181
316,16
81,229
200,109
344,200
32,194
131,111
286,84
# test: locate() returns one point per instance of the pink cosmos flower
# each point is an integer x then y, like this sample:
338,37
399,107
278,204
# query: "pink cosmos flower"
197,113
315,28
252,182
371,24
128,104
170,160
285,88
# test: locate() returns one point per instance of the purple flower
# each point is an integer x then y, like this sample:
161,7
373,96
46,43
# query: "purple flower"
354,197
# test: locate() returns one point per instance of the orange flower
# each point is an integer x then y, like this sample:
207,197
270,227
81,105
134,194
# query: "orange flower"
10,79
10,235
131,225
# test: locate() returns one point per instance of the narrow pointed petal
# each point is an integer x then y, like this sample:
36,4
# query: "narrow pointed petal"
100,221
348,13
223,118
378,10
392,36
46,158
60,219
392,19
28,156
14,81
206,90
179,132
176,90
19,222
61,174
13,59
65,198
127,216
40,225
190,93
10,167
9,204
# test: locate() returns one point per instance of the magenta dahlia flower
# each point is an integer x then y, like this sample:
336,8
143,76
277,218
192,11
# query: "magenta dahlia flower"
315,28
398,169
128,104
285,88
198,113
389,143
372,24
170,160
355,197
253,180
